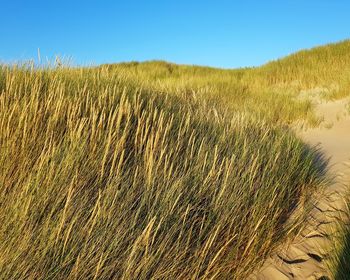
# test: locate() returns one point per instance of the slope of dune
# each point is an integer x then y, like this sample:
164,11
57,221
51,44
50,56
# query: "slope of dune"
162,171
305,256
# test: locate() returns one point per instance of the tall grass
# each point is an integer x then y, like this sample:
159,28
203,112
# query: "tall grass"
103,179
151,171
325,68
234,90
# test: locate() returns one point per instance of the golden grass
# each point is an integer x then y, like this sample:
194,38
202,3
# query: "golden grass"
147,171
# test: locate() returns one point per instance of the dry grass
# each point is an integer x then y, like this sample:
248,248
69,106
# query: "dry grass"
124,172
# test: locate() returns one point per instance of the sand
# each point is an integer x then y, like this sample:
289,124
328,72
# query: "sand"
304,257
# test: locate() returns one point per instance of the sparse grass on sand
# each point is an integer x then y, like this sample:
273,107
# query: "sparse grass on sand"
148,171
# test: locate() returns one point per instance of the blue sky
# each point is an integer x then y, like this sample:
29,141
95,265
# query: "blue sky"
219,33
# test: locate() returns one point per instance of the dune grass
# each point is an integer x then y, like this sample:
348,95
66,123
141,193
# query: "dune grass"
338,260
339,265
102,180
323,68
148,171
229,89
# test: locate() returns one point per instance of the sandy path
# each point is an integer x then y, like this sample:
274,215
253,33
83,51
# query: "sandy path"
304,257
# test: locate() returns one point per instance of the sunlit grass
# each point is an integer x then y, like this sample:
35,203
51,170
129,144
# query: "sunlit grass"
149,171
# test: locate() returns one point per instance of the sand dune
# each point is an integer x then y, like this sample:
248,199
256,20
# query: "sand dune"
303,257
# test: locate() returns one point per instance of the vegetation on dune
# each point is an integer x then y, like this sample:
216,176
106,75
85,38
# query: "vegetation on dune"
101,179
147,171
324,68
234,90
338,260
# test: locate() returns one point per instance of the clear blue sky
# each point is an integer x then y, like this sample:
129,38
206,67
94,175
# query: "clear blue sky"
218,33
